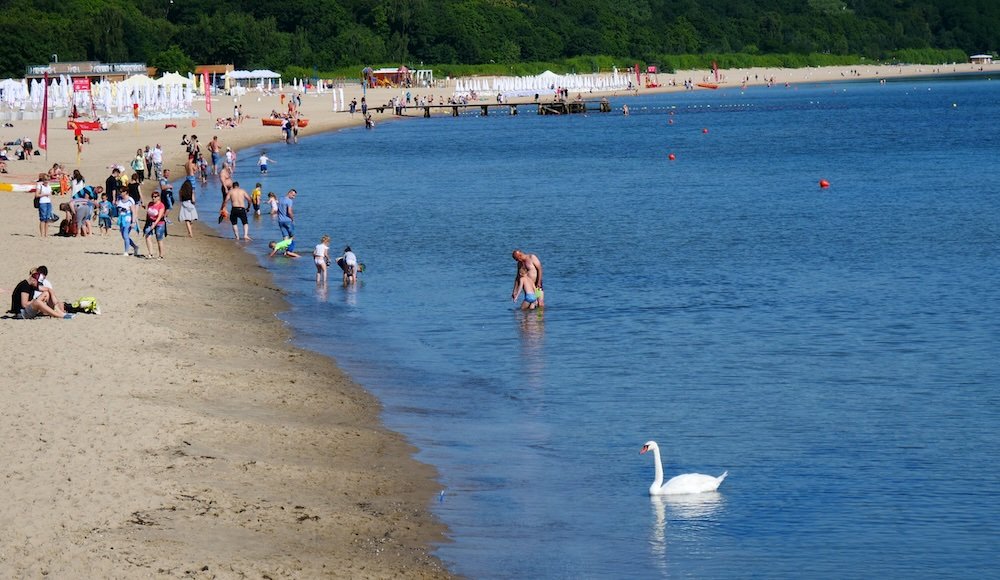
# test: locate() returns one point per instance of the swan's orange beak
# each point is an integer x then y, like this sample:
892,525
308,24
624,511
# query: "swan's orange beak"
644,449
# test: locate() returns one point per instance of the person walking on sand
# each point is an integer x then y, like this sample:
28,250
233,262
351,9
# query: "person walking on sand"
126,205
189,212
239,201
532,266
321,257
155,225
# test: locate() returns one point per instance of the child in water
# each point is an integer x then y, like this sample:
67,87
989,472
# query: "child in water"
272,200
525,284
282,246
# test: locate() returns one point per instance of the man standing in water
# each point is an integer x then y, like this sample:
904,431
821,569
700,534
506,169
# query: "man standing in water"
286,216
532,266
238,200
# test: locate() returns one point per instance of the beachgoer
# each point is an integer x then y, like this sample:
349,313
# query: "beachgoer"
238,200
215,147
255,199
139,166
134,190
83,213
167,193
533,266
157,157
231,159
525,284
286,215
284,246
262,162
226,178
43,193
321,257
29,299
104,215
191,170
155,225
77,183
125,206
189,212
349,264
272,200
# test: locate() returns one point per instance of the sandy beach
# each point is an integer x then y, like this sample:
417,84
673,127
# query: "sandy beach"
179,433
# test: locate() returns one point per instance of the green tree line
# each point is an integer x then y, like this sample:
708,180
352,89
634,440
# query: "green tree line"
329,35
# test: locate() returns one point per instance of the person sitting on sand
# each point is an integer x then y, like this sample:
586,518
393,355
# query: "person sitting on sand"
283,247
29,300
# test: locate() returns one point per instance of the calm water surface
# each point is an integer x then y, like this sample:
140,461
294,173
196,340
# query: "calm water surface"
835,350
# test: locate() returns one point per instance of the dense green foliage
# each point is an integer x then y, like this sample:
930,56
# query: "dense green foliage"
329,34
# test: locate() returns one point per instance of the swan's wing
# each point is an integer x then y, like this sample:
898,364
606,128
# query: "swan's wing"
691,483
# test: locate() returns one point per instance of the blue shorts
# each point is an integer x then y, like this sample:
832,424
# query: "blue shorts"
263,168
529,297
104,221
44,212
215,158
160,230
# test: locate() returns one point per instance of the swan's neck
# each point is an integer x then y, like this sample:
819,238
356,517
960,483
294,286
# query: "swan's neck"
658,480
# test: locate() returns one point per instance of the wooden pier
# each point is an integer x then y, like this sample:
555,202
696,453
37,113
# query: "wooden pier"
549,108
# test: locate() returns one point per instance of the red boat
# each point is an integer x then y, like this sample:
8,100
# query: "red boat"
708,85
272,122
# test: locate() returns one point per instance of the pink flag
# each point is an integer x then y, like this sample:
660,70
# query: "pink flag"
43,132
208,91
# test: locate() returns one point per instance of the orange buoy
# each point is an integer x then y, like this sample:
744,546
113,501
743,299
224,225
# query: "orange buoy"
671,157
824,183
194,122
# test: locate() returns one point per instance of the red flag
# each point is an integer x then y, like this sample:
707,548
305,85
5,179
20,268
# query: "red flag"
43,132
208,91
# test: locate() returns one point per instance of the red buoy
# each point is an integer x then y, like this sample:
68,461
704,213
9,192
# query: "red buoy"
824,183
704,130
671,157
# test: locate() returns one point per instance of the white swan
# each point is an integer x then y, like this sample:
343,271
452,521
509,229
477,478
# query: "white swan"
681,484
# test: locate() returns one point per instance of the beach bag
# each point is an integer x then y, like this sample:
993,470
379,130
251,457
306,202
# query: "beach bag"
67,228
87,304
35,202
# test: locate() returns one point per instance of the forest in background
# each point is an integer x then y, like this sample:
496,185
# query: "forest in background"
337,37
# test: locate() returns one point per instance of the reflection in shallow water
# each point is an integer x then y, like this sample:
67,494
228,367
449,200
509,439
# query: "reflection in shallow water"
688,516
695,506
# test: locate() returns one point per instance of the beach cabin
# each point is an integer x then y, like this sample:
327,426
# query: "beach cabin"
981,59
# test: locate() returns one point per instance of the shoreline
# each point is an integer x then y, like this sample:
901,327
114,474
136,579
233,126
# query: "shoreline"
198,444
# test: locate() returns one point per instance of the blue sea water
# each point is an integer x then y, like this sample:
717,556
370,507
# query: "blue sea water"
834,349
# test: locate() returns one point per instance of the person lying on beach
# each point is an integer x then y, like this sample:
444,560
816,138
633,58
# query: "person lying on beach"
284,246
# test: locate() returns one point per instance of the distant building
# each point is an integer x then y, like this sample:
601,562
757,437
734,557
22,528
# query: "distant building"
981,59
95,71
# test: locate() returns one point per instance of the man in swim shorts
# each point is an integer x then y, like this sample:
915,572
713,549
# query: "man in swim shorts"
239,201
